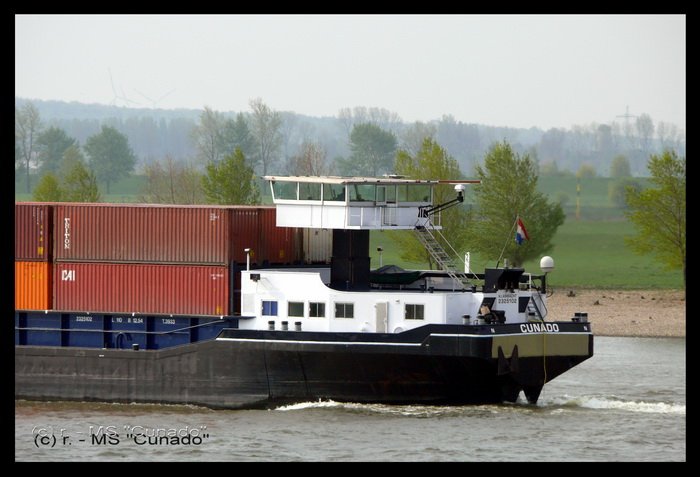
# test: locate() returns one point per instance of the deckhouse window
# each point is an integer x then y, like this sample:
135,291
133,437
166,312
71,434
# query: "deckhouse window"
295,308
362,192
285,190
269,308
344,310
317,310
418,193
334,192
414,312
309,191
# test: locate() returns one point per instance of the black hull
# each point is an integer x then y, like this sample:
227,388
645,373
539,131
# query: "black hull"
245,369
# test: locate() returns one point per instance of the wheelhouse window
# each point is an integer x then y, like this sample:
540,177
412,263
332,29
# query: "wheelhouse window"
295,308
317,310
334,192
362,192
414,312
285,190
309,191
269,308
418,193
344,310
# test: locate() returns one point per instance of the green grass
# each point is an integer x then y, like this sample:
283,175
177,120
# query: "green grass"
587,254
593,254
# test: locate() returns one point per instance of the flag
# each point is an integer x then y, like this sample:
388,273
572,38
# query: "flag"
521,233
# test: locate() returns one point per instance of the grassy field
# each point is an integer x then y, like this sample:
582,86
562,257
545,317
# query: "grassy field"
588,253
594,255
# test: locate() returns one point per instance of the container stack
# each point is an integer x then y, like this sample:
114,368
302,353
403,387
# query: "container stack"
33,247
144,259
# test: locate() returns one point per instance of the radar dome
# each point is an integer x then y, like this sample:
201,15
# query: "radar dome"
547,264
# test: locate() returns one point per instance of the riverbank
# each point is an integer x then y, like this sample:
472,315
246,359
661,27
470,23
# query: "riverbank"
659,313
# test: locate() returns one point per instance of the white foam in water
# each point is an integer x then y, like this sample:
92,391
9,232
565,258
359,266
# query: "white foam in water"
594,402
404,410
309,405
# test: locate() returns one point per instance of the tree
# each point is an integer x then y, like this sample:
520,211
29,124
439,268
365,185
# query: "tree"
586,171
172,182
51,144
508,190
287,130
372,149
27,130
232,181
617,190
48,189
620,167
79,182
265,126
236,134
311,161
209,138
413,136
658,213
645,131
110,155
432,162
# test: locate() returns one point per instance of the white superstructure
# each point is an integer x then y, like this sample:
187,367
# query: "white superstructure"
321,299
303,296
351,203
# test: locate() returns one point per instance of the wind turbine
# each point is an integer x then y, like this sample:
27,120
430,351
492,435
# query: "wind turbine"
154,102
116,96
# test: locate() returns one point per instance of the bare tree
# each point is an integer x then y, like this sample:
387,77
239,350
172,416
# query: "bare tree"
411,139
668,135
287,129
265,125
27,129
310,161
172,182
345,116
645,131
208,136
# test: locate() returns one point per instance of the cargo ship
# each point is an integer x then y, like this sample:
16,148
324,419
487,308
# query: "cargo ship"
252,306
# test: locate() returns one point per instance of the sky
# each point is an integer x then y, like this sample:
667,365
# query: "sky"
502,70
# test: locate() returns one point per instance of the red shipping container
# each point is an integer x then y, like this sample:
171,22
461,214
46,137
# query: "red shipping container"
33,230
147,233
141,288
141,233
278,244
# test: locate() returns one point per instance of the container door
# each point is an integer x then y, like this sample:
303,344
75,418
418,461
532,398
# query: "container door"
382,316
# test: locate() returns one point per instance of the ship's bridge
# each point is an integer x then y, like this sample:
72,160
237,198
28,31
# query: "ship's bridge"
351,203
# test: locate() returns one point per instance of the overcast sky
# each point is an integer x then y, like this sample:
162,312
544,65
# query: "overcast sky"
520,71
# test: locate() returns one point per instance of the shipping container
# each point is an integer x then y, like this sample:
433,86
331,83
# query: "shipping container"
147,233
33,285
33,228
141,288
277,244
318,245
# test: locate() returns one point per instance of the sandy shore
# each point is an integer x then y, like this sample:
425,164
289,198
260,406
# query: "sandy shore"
624,312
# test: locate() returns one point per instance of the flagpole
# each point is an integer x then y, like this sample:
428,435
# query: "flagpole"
515,224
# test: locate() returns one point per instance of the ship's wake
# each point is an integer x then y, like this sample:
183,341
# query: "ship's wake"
613,403
546,404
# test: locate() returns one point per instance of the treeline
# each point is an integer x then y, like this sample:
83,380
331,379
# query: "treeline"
285,140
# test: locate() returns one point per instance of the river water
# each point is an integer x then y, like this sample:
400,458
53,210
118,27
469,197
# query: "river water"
626,403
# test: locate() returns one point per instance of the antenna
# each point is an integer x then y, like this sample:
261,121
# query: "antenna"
627,115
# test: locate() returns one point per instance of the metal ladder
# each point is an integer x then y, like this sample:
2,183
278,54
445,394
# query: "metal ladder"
532,307
440,255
